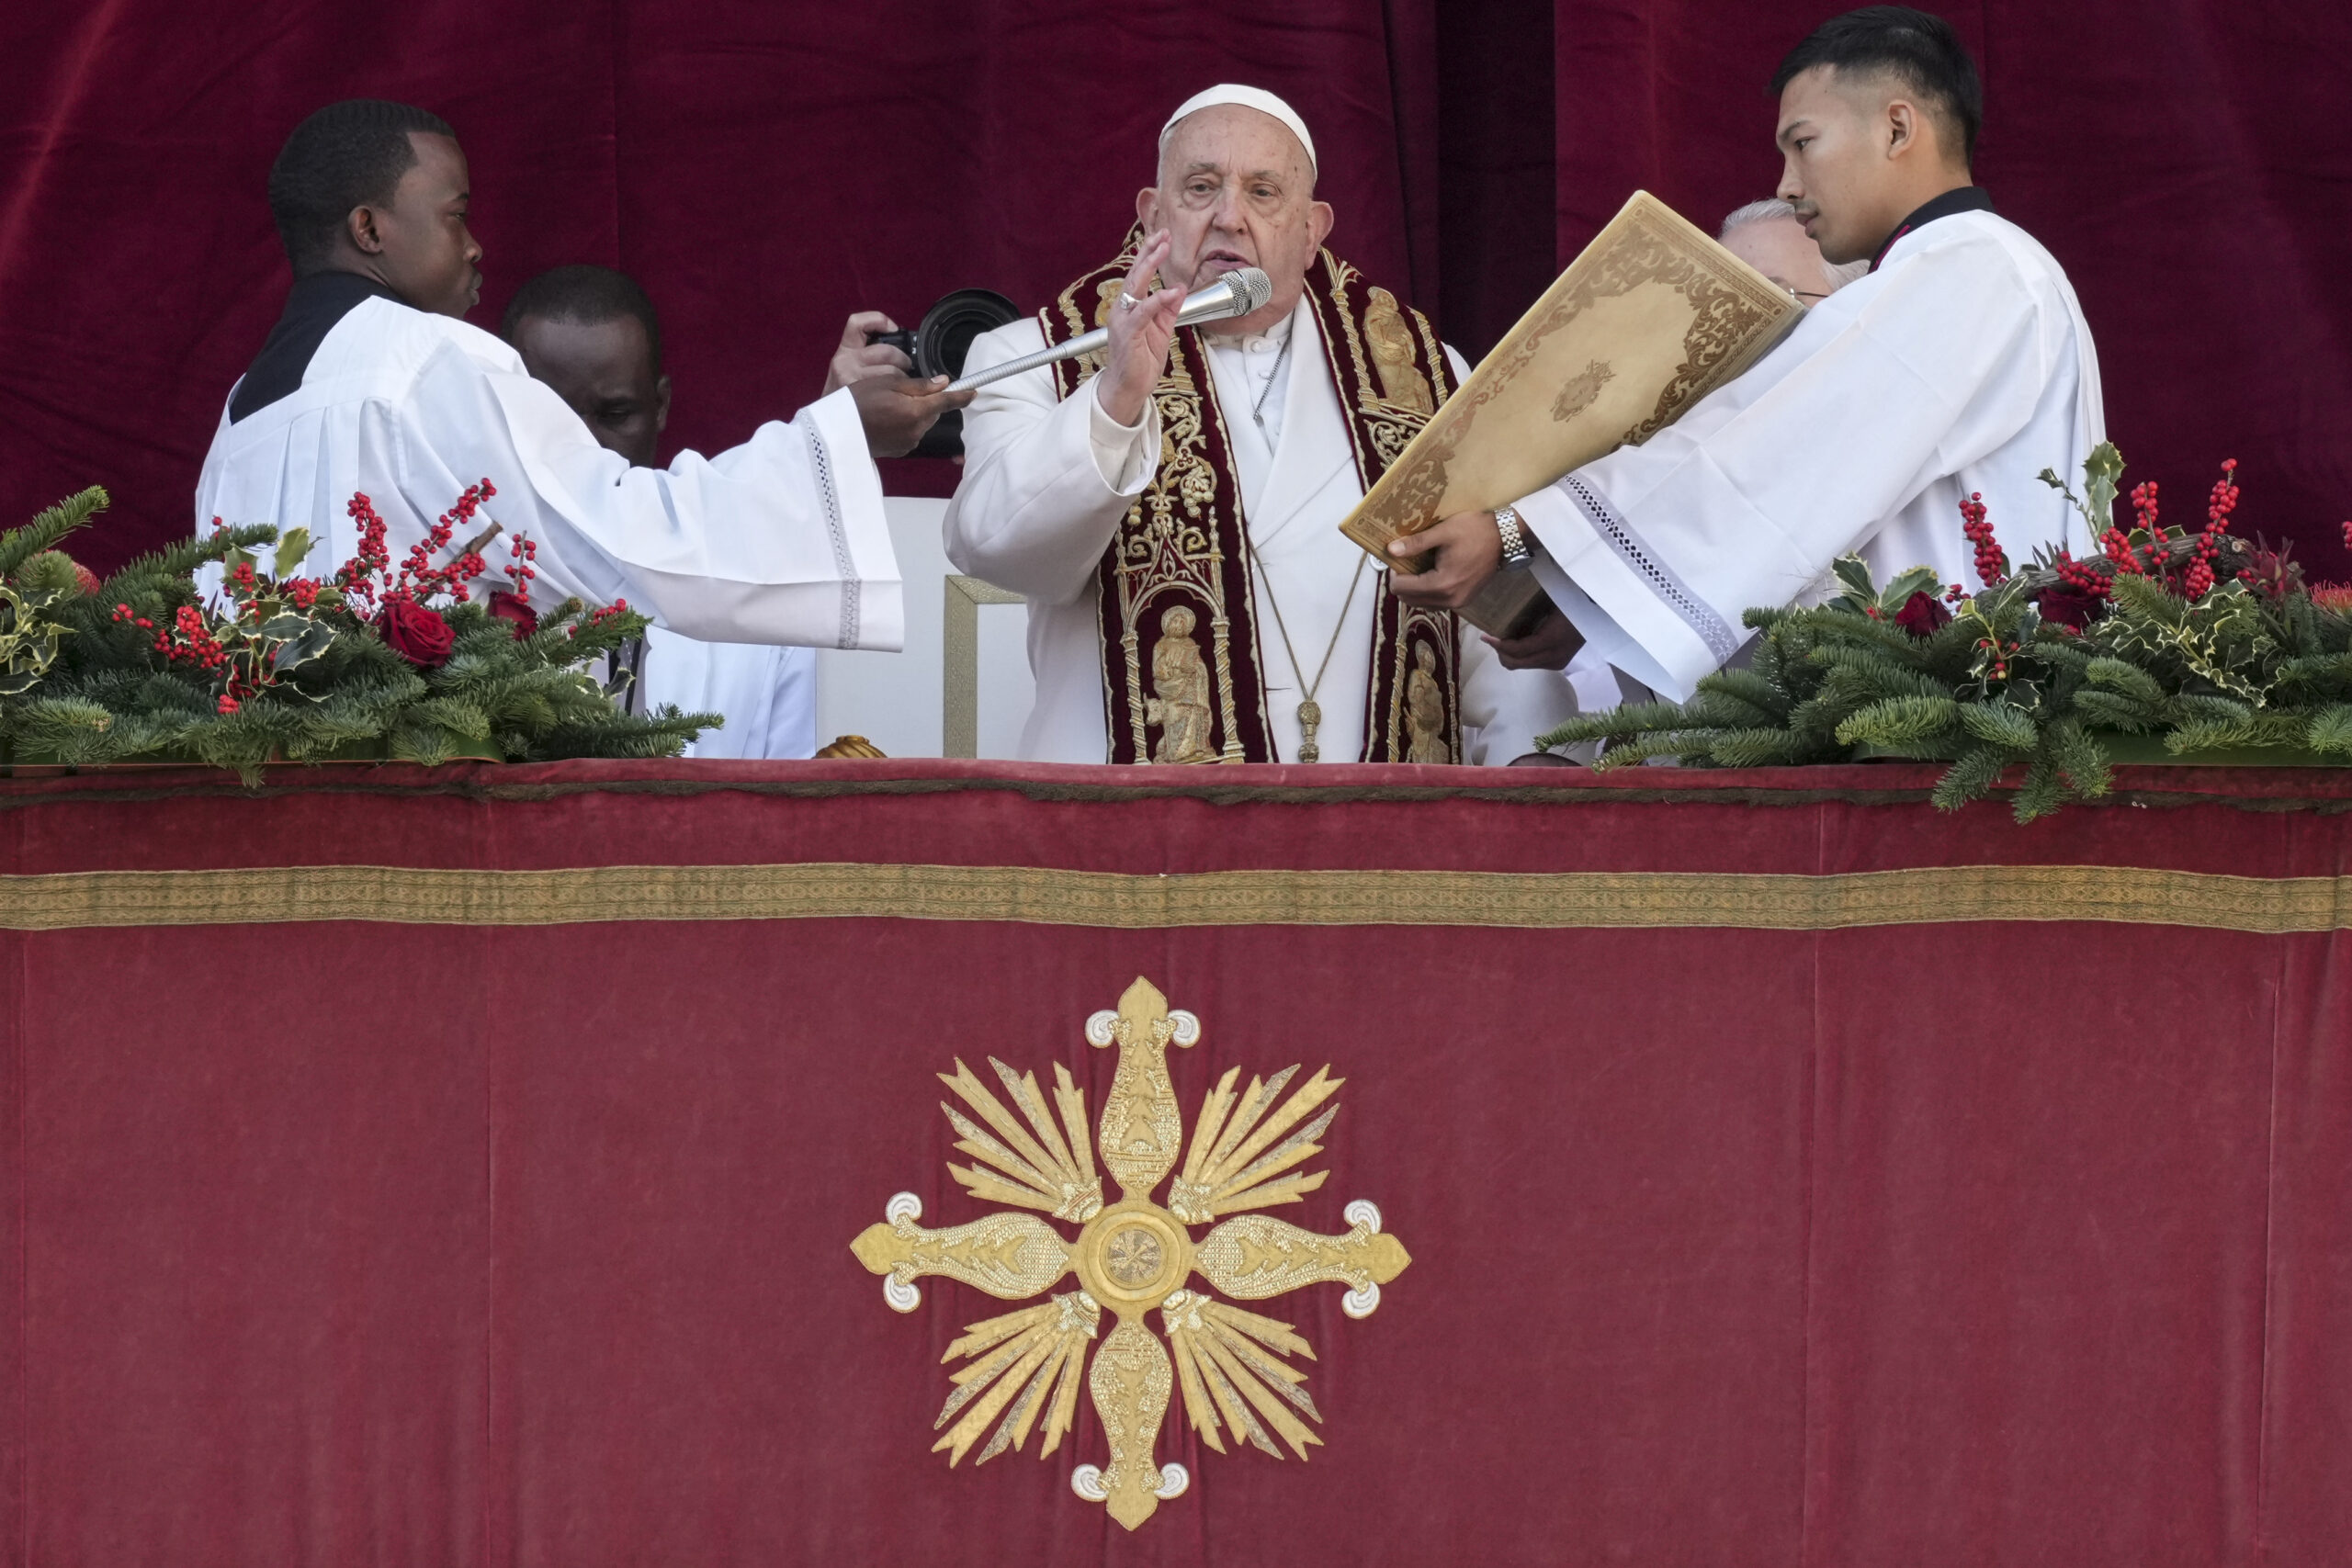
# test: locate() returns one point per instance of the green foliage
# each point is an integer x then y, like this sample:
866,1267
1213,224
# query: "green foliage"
1999,687
20,545
302,677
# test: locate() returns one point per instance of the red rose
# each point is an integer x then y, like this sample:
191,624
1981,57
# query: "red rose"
2064,608
1922,615
417,634
513,607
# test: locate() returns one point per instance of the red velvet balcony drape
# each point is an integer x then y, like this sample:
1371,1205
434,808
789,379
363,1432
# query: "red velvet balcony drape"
767,169
461,1167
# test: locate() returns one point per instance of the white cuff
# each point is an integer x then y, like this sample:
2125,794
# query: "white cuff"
1124,453
849,499
1617,608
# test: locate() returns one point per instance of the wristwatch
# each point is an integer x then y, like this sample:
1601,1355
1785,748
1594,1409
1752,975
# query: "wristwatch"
1514,537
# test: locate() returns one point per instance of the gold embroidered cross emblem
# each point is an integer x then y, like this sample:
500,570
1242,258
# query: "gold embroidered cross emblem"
1132,1257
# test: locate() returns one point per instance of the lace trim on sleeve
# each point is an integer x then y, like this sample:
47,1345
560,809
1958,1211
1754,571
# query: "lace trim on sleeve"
845,565
1670,590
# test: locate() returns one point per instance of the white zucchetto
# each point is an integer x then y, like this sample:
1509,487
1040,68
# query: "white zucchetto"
1257,98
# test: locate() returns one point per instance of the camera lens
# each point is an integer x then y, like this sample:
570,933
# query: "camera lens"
939,348
949,327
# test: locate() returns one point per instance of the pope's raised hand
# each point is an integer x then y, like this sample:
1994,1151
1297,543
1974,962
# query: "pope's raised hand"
1142,326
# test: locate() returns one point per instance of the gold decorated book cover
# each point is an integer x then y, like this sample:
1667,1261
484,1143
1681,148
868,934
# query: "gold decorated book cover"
1650,318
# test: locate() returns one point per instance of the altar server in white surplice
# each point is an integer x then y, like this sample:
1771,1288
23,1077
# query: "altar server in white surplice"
1960,365
371,383
592,334
1173,519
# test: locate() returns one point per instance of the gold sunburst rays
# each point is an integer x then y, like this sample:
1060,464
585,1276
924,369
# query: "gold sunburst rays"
1036,1350
1045,1172
1223,1366
1230,1169
1132,1257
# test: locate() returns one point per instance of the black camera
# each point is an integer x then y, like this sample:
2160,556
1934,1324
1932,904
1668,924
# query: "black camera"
938,348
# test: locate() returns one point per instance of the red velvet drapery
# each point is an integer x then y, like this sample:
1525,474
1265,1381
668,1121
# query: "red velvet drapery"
767,169
1791,1175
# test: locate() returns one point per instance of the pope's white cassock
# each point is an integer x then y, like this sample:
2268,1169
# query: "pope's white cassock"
1047,481
779,540
1962,363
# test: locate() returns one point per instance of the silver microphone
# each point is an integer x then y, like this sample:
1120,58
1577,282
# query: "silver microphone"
1237,293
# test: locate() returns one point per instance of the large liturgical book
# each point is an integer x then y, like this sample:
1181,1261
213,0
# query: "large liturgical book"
1653,316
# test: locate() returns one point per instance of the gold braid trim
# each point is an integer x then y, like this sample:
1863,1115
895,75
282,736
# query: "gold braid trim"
1037,895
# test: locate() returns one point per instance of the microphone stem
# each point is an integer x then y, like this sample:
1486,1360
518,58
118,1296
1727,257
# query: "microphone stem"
1223,303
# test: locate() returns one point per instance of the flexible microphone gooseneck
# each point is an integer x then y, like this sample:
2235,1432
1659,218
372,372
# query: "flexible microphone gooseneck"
1237,293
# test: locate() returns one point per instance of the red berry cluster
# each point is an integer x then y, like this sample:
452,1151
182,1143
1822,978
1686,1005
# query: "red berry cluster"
2083,579
523,566
418,580
619,607
2148,562
357,577
188,640
1999,670
2218,507
302,590
1992,566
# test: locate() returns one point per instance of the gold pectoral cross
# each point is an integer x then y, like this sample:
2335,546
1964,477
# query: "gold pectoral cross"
1310,716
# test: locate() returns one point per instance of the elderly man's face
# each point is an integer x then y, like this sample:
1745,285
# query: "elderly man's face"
1783,252
1236,190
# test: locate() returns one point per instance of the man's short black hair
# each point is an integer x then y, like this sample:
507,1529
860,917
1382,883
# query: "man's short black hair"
1919,51
587,294
346,155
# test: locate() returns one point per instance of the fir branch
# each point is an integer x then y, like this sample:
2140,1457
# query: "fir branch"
1999,724
51,524
2079,759
2209,734
1971,777
2042,793
2331,730
1899,722
160,572
2109,710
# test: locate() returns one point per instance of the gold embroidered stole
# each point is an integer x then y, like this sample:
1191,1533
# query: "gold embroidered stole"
1183,673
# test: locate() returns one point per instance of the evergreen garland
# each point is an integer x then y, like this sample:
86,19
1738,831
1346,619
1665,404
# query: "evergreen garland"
2202,638
148,666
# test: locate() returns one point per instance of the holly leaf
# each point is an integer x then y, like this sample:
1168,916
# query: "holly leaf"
2102,476
292,550
285,629
1856,577
312,642
1917,580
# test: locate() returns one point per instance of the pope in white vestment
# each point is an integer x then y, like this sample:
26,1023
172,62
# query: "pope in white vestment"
1049,479
1962,365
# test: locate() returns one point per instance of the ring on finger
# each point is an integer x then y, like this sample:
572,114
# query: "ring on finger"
1127,301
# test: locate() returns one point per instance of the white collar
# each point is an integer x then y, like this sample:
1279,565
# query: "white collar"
1273,337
